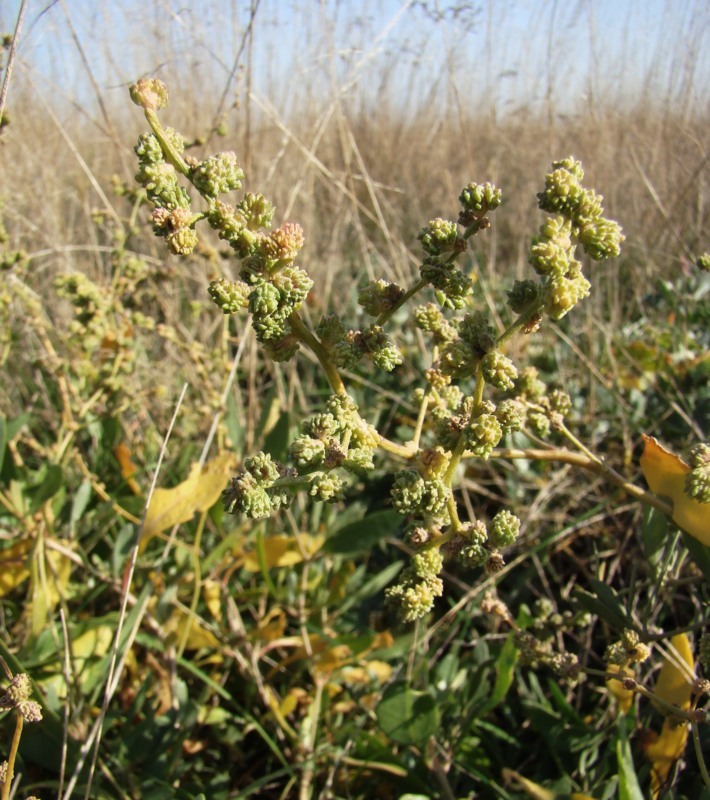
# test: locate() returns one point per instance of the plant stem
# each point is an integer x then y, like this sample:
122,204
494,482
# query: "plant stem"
580,460
170,152
19,721
331,372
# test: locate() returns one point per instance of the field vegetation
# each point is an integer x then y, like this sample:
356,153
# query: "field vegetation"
178,650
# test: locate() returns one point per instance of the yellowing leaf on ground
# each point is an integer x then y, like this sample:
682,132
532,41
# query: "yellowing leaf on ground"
672,684
197,636
665,473
14,568
199,492
284,550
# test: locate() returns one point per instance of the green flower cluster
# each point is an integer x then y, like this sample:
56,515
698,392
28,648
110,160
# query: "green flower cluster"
273,288
379,297
256,491
482,544
697,481
371,342
419,585
579,220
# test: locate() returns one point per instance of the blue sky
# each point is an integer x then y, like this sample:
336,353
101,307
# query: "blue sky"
513,53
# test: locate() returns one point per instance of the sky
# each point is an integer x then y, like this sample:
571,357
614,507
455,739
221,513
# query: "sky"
511,53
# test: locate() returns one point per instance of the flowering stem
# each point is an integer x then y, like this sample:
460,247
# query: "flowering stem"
519,324
13,756
171,154
331,373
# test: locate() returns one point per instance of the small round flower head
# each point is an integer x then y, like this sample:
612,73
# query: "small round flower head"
499,370
408,491
257,211
480,198
245,495
17,692
348,352
379,296
218,174
359,459
457,360
149,93
414,599
427,563
284,244
229,296
547,257
380,348
697,481
529,384
321,426
476,332
703,262
293,284
307,452
563,188
30,710
160,181
326,487
456,291
431,462
345,410
440,236
148,149
560,402
483,434
429,318
524,295
495,563
601,239
264,299
563,292
539,423
504,529
227,220
183,241
511,415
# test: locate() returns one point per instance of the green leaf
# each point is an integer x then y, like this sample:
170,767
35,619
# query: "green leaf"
235,429
363,535
50,479
605,604
277,440
505,672
629,788
407,716
80,501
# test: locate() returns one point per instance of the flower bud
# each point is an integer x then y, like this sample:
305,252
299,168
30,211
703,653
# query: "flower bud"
149,93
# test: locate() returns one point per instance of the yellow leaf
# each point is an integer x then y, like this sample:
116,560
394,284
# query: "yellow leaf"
673,687
624,697
199,492
212,594
272,626
13,565
663,751
93,643
197,636
284,550
665,473
672,684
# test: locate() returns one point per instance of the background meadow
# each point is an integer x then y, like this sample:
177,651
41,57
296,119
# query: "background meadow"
258,659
